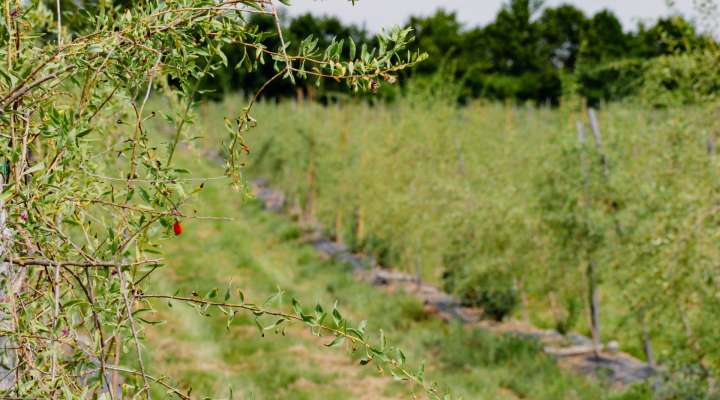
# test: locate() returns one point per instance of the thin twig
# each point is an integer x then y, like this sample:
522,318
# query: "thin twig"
174,213
21,92
56,316
290,317
180,126
49,263
278,28
133,329
246,114
138,124
156,380
173,180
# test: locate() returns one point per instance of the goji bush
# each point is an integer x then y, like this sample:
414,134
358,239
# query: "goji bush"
89,192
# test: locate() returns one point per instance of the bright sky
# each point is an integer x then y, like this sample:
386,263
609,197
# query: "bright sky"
376,14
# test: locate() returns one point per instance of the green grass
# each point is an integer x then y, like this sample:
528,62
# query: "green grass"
256,253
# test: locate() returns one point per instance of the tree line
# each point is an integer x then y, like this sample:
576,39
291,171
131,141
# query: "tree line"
529,52
532,53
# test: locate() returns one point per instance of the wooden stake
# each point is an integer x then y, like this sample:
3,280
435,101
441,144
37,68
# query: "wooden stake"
711,145
647,344
360,230
309,213
594,301
554,307
338,226
591,272
461,160
597,135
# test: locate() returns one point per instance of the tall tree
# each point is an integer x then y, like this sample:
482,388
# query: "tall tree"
512,38
322,28
604,39
667,36
438,35
561,33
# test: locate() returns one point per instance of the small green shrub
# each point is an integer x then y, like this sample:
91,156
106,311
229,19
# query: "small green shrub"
573,308
611,81
380,249
681,79
639,391
290,233
466,347
412,309
492,292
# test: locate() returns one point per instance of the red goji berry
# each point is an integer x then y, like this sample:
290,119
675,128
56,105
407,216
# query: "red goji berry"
177,228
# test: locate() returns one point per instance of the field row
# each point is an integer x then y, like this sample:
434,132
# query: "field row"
508,208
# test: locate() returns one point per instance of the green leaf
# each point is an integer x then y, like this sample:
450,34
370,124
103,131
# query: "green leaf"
296,307
337,317
351,48
337,341
241,296
35,168
275,324
260,327
230,319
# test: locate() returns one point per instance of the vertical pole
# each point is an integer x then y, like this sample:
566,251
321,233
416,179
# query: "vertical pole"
360,228
594,299
647,343
7,355
554,307
580,133
591,272
597,135
11,282
711,145
311,174
461,160
418,271
338,226
310,201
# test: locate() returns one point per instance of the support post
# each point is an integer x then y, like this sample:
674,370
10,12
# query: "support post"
591,272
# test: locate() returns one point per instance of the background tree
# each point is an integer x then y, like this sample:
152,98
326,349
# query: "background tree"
604,39
440,34
562,30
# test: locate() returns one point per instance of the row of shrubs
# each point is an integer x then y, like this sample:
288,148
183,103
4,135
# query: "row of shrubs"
501,204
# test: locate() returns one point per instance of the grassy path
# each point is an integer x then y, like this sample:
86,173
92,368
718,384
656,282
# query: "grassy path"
258,253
